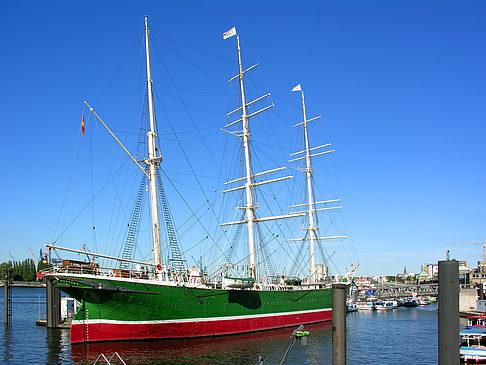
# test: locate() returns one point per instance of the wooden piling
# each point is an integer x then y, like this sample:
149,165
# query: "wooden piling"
339,324
5,301
448,301
53,303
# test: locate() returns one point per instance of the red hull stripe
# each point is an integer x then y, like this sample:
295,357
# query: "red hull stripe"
102,330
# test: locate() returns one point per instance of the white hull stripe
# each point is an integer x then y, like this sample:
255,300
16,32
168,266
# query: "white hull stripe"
189,320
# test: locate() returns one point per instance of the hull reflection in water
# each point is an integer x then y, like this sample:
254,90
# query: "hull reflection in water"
234,349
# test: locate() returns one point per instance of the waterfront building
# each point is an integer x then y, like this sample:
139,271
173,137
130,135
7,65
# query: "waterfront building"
478,275
432,270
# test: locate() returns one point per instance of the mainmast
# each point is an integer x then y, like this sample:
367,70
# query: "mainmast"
249,184
152,160
248,187
312,228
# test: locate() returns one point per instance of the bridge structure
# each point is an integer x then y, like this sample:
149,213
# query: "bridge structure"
398,291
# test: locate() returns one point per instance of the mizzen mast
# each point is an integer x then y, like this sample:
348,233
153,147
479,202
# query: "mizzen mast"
153,160
312,228
310,197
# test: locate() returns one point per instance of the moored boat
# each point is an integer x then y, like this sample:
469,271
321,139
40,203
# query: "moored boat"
162,298
365,306
476,322
386,305
351,307
411,303
473,345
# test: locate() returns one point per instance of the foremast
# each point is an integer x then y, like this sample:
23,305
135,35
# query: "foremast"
308,170
249,184
153,160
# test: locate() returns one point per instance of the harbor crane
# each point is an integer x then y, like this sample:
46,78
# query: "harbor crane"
350,272
33,258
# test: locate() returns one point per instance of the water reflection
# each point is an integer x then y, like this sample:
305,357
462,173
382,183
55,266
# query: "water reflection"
372,338
237,349
6,343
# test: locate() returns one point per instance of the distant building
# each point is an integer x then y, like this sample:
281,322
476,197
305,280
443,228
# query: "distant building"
423,277
478,275
432,270
482,266
464,273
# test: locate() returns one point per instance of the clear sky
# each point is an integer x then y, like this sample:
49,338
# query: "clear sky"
401,86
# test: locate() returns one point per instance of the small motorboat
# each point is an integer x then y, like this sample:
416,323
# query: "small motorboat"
423,301
473,344
386,305
476,322
351,307
365,306
410,303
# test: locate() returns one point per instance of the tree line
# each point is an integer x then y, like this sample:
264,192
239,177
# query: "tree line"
20,270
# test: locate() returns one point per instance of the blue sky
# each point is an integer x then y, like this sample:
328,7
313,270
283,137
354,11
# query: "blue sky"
400,84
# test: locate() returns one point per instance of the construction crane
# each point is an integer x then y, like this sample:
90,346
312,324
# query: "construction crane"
33,258
474,243
350,272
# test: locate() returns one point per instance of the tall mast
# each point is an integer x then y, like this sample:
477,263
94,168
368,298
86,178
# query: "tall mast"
311,204
248,186
310,197
152,160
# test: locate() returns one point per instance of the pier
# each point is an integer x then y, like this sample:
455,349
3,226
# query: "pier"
399,291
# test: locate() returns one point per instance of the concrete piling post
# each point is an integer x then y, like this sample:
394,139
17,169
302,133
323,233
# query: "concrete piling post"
53,303
448,301
339,324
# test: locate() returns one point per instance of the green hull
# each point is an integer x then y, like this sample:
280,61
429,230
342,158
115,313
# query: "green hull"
108,301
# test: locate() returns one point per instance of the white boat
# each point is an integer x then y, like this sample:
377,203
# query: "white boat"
365,306
473,344
423,301
238,283
351,307
394,303
386,305
476,322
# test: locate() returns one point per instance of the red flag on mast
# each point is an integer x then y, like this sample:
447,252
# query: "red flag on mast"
82,125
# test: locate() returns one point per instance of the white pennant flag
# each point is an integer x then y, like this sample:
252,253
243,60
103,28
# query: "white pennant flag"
229,33
297,88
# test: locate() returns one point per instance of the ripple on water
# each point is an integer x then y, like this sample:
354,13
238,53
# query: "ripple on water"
401,336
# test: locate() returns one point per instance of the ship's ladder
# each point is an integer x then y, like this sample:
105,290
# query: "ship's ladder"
175,258
132,230
108,361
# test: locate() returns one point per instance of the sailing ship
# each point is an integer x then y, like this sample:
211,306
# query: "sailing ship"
161,299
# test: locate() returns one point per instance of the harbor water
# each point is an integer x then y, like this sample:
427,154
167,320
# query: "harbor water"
399,336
